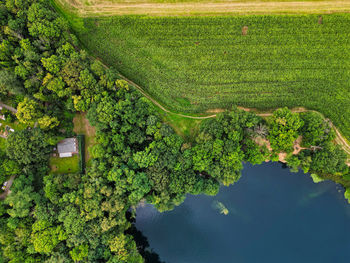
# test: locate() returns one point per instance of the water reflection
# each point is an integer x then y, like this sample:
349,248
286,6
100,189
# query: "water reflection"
270,215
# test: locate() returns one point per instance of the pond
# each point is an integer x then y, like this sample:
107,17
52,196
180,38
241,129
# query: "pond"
272,215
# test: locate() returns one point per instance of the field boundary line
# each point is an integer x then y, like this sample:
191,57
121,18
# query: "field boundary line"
215,7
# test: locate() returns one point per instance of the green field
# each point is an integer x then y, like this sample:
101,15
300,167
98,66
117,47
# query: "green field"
193,64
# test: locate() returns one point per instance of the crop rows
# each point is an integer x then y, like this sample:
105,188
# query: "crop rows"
192,64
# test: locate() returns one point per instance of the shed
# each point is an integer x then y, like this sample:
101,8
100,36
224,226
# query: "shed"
67,147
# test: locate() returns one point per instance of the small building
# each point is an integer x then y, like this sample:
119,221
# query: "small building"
67,147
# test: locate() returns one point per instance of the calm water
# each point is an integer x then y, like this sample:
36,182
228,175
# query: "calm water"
274,216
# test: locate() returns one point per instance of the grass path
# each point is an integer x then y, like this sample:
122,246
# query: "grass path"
339,138
87,8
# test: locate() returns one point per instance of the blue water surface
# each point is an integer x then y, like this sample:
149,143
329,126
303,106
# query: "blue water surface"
274,216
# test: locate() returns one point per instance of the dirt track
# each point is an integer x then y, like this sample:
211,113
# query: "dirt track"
339,138
149,7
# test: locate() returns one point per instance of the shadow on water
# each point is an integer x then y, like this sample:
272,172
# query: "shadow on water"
142,244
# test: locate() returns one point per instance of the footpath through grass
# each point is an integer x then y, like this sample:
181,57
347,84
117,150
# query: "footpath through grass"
193,64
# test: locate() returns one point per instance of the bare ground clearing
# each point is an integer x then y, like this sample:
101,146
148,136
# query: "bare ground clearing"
149,7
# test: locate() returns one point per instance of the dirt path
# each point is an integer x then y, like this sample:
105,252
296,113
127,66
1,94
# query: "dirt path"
7,191
8,107
339,138
214,7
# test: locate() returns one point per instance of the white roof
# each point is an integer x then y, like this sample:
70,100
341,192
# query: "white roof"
66,154
68,145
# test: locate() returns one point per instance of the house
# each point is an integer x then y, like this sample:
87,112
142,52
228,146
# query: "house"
67,147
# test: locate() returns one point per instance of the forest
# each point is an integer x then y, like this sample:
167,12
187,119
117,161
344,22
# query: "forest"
87,216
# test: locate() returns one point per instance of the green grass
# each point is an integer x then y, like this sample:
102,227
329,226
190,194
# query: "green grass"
192,64
64,165
2,143
187,128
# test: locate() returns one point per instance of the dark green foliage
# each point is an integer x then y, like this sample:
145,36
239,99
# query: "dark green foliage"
316,130
330,159
29,148
218,149
81,145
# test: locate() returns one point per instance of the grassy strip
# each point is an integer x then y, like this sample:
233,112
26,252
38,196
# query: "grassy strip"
194,64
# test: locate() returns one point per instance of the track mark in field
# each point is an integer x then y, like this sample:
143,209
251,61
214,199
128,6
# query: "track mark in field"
244,30
320,20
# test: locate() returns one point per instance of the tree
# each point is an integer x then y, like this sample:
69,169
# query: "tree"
79,253
284,126
28,147
124,248
46,237
316,130
28,112
330,159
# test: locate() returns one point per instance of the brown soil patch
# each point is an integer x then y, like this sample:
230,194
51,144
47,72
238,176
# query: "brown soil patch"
297,147
197,43
244,30
320,20
282,157
215,110
262,141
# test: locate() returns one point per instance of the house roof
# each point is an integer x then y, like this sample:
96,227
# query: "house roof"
68,145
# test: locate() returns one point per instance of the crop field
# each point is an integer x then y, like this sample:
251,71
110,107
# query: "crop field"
195,64
202,7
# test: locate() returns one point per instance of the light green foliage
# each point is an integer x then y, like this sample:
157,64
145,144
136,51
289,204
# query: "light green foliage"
347,195
28,112
52,64
284,126
192,64
316,179
79,253
45,237
125,249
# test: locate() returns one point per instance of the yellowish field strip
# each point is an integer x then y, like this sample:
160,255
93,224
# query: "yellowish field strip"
122,7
